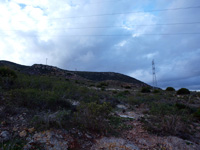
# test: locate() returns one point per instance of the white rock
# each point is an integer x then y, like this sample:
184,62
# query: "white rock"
121,107
114,143
4,136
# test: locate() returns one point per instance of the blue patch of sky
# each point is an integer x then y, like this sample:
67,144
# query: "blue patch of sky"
151,6
22,5
38,7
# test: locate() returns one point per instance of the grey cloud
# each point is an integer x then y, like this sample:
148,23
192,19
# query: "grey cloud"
176,56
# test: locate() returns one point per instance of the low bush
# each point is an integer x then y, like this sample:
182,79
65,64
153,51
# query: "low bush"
7,72
93,116
168,119
185,109
127,87
134,101
14,144
181,106
115,92
171,89
168,125
7,77
59,119
183,91
37,99
161,109
41,82
145,90
123,94
118,123
103,88
156,91
197,114
102,84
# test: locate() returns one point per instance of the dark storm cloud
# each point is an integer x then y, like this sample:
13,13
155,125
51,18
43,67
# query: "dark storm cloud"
47,33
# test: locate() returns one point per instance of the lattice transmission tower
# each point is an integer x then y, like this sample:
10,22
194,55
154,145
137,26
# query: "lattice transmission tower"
154,74
46,60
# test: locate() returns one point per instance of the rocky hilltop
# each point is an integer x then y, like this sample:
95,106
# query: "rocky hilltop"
41,69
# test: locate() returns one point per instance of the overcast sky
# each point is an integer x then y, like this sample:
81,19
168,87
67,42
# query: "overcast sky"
106,35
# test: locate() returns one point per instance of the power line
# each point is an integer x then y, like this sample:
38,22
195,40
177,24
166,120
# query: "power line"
135,12
102,2
168,24
116,35
130,26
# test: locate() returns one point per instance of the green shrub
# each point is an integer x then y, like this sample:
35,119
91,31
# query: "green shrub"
156,91
115,92
39,82
63,89
91,85
134,101
185,109
127,87
119,123
197,114
145,90
77,82
161,109
69,74
37,99
123,94
102,84
7,77
103,88
183,91
7,72
181,106
93,116
59,119
170,89
126,92
14,144
169,125
168,119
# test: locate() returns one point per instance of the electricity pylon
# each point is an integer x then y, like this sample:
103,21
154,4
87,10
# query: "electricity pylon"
154,74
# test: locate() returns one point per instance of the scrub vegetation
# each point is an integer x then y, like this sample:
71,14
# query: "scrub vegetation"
47,102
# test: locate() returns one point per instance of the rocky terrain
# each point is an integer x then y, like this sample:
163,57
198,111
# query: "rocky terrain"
44,107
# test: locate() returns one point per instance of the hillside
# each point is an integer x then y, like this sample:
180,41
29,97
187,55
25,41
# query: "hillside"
93,76
48,108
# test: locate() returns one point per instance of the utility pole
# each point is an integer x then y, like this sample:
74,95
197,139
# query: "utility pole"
46,60
154,74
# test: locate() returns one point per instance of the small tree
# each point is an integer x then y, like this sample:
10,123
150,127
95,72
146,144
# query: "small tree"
183,91
171,89
7,77
145,90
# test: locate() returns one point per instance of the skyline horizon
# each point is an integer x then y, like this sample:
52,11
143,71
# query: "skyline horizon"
163,88
117,36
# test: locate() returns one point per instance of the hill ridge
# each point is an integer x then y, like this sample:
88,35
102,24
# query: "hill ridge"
41,69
